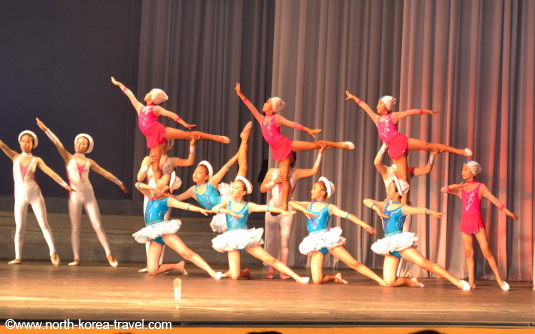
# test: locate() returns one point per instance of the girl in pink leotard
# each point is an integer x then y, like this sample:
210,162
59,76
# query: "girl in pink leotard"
398,144
155,132
472,225
282,147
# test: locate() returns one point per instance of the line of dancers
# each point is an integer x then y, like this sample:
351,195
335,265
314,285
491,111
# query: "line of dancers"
227,201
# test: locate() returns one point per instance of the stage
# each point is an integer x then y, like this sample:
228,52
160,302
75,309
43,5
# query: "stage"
97,292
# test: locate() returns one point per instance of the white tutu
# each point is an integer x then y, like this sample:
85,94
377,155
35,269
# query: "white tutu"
238,239
315,241
396,242
219,221
151,232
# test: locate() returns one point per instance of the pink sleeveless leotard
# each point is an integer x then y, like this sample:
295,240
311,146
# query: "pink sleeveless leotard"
150,127
281,147
397,143
471,220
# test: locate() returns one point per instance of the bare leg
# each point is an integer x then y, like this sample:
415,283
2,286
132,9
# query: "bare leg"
156,153
298,145
264,256
420,145
344,256
284,170
401,171
481,237
242,152
176,244
468,247
172,133
285,225
234,259
153,256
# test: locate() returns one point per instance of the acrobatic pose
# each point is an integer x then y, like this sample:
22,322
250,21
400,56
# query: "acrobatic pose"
397,244
323,240
167,166
472,224
281,226
155,132
27,192
161,232
78,167
239,238
398,144
282,147
209,191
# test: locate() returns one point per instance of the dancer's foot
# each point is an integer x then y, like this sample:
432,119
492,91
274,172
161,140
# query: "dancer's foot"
16,261
55,259
76,262
417,283
113,262
463,285
223,139
349,145
246,273
339,279
246,129
303,280
217,275
468,152
504,286
284,276
269,276
472,286
181,266
143,271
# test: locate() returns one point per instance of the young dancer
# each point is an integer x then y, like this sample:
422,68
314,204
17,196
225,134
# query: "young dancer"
282,147
159,232
167,166
323,240
470,191
209,191
155,132
78,167
239,238
280,227
398,144
397,244
27,192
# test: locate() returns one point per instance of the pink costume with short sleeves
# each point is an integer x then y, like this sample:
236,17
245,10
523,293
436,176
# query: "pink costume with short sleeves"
397,143
148,123
471,220
281,146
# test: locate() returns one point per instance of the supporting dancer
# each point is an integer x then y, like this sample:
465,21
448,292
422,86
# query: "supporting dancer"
27,192
323,240
398,144
209,191
282,147
239,238
155,132
78,167
397,244
159,232
280,227
472,224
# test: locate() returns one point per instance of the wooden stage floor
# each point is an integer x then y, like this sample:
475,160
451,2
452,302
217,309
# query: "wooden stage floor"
40,291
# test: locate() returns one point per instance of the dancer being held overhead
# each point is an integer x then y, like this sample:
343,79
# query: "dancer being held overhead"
27,192
471,192
239,238
398,244
280,227
398,144
282,147
155,132
159,232
323,240
78,167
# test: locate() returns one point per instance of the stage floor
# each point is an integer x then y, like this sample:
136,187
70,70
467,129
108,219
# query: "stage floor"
40,291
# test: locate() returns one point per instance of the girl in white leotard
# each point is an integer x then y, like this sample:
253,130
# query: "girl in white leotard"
78,172
27,192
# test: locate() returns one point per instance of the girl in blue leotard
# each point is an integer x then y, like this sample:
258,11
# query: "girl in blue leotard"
161,232
323,240
398,244
239,238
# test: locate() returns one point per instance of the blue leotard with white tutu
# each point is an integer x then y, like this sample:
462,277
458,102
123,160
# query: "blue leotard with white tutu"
320,237
394,223
234,223
395,239
209,198
155,224
156,210
318,223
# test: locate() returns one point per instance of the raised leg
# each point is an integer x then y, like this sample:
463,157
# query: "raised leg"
420,145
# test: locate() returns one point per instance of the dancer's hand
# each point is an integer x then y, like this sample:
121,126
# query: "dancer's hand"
309,214
69,188
323,146
193,139
351,96
41,125
437,151
287,213
510,214
238,91
379,212
435,213
205,212
313,132
280,179
187,126
123,188
115,82
431,112
461,185
369,229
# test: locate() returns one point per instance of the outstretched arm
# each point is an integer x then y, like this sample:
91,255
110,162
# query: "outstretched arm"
300,173
283,121
185,195
94,166
62,151
337,212
187,207
222,208
248,103
364,106
376,206
486,193
191,158
9,152
41,164
166,113
137,105
402,114
301,206
214,181
409,210
268,208
429,167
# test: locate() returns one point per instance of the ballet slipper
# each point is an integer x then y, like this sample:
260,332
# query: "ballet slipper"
247,127
144,270
350,145
283,276
113,262
16,261
225,140
415,280
303,280
218,275
55,259
465,285
340,279
76,262
505,286
269,276
468,152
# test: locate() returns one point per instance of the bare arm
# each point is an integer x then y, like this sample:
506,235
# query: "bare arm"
487,194
248,103
177,162
185,195
159,111
267,184
302,206
214,181
453,189
408,210
376,206
9,152
61,149
279,120
263,208
41,164
429,167
145,165
137,105
222,208
334,210
187,207
143,188
402,114
378,162
364,106
95,167
300,173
